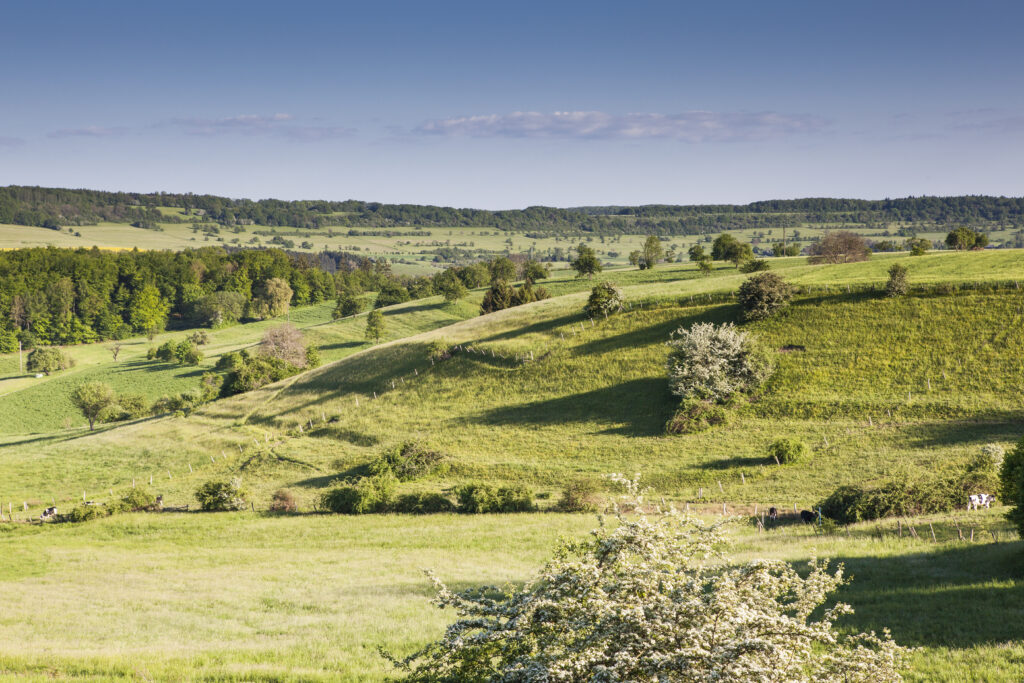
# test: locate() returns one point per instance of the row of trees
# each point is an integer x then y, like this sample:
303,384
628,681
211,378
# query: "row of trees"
52,207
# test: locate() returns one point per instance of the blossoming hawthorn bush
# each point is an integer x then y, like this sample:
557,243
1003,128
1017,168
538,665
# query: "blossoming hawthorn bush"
648,599
714,362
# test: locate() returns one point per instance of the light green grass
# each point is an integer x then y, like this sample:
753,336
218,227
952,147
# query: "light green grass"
242,597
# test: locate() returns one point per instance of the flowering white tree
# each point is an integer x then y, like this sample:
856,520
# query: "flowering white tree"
713,362
647,599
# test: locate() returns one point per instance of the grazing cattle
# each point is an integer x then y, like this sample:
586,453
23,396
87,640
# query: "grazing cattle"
807,516
976,500
159,502
48,513
773,514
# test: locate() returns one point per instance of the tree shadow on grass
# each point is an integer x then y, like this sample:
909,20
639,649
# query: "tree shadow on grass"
640,407
956,597
986,428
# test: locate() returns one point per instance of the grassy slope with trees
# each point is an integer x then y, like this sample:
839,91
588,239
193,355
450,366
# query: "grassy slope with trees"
588,404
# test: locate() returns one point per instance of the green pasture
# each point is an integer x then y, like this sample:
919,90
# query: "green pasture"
251,597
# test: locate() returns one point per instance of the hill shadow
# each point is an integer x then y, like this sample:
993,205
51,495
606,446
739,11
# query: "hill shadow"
640,406
948,597
985,428
547,325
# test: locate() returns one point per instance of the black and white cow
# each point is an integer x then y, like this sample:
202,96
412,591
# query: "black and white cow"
48,513
807,516
976,500
773,514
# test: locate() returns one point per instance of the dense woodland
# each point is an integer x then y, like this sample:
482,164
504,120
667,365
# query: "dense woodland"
65,296
55,208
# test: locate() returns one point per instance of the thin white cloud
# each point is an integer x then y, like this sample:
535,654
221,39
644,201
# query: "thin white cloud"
279,125
987,119
690,126
11,143
89,132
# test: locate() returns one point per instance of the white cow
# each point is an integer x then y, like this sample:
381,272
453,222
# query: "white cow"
975,501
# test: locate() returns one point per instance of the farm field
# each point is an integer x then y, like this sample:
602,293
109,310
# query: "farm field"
538,395
244,597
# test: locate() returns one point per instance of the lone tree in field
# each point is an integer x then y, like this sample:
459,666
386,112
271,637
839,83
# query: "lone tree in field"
92,398
697,253
450,286
47,359
649,598
714,362
728,248
763,294
586,263
375,325
652,251
964,238
897,284
841,246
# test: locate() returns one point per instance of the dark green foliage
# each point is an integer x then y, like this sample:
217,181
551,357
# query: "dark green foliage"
605,299
250,372
965,238
897,284
497,298
187,353
93,400
136,500
365,496
694,416
48,359
222,496
407,461
652,251
918,247
439,349
728,248
347,305
391,293
762,295
422,504
754,266
579,495
697,253
902,496
187,402
484,498
785,451
312,357
84,513
450,286
199,337
1011,485
586,262
129,407
705,266
502,268
534,271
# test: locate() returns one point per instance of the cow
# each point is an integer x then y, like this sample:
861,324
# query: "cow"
807,516
48,513
773,514
976,500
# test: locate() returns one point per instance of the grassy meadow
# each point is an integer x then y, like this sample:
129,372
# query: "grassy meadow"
539,395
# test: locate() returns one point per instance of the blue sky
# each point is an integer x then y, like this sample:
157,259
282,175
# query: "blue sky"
506,105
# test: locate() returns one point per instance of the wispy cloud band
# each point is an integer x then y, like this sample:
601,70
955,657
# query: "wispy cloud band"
280,125
689,126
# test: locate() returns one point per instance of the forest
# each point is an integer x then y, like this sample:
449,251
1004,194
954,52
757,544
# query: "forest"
55,208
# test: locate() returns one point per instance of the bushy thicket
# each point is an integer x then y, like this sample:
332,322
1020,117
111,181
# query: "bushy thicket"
579,495
47,359
485,498
376,494
762,295
784,451
1011,485
903,495
502,295
605,299
136,500
695,415
407,461
897,284
283,500
222,496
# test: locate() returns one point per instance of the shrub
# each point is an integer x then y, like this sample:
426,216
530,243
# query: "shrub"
918,247
696,416
1011,477
579,495
785,451
347,306
284,342
897,285
422,504
312,357
375,326
255,372
714,362
199,337
762,295
497,298
47,359
439,349
391,293
84,513
841,246
188,353
484,498
283,500
129,407
167,351
754,266
605,298
93,400
135,500
965,238
407,461
367,495
641,599
222,496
